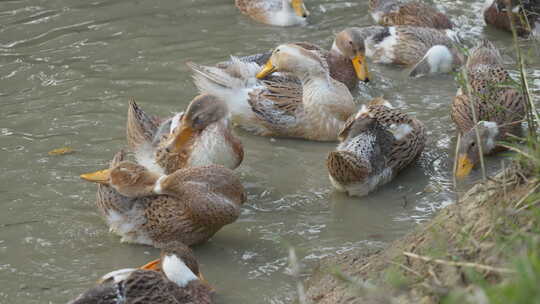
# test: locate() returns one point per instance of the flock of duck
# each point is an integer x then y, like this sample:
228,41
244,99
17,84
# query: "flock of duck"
181,190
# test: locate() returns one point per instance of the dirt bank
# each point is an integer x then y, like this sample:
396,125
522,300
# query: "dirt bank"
469,245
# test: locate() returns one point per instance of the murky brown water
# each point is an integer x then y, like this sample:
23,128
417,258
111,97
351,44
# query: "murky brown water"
67,69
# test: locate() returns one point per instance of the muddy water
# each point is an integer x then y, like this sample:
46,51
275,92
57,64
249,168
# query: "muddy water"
67,69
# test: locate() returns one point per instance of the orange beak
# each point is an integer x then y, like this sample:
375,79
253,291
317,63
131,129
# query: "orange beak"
182,136
464,166
268,69
360,67
101,177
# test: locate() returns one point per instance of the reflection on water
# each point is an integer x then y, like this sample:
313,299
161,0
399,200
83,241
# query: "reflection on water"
67,70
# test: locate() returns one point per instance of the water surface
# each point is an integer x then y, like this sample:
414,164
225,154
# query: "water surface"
67,68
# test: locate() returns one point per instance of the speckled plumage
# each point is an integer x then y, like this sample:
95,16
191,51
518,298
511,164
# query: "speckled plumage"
149,287
525,15
278,106
195,203
493,100
374,149
397,12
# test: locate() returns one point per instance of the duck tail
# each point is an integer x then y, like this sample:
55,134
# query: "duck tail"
345,168
484,52
141,127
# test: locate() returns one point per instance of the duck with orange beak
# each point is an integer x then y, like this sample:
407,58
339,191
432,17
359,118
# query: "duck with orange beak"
275,12
498,109
200,136
174,278
146,207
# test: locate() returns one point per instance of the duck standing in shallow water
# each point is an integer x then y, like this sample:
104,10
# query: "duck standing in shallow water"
189,205
525,15
499,109
316,110
427,51
375,145
172,279
275,12
200,136
397,12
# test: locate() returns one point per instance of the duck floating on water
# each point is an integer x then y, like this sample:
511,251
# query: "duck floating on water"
200,136
397,12
316,110
172,279
426,50
275,12
375,145
145,207
499,109
525,15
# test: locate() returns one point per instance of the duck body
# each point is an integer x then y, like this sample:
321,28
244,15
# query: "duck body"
499,109
275,12
524,15
189,205
415,13
315,109
376,144
426,50
156,141
174,281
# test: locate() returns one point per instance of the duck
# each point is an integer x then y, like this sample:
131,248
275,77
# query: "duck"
173,278
315,109
398,12
275,12
499,109
200,136
375,145
150,208
524,14
424,50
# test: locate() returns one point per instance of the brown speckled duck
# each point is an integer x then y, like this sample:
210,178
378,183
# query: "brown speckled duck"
524,13
375,145
275,12
426,50
189,205
172,279
398,12
279,107
499,109
201,136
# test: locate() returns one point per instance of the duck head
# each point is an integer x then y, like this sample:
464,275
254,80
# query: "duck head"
350,43
291,58
469,147
203,111
129,179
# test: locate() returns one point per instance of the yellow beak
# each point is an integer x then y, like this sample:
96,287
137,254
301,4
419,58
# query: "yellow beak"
181,137
299,8
101,177
268,69
464,166
360,67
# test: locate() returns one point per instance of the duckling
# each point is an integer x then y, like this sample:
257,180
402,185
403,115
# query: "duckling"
275,12
201,136
524,13
316,110
375,145
189,205
499,109
397,12
426,50
174,278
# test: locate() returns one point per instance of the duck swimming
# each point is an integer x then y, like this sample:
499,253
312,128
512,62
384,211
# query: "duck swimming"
316,110
199,136
499,109
145,207
174,278
426,50
525,15
397,12
275,12
375,145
